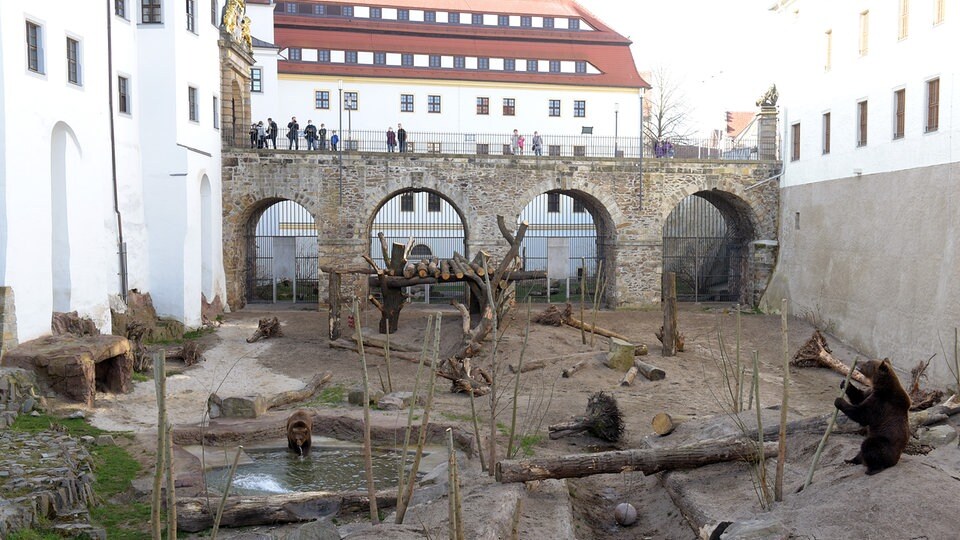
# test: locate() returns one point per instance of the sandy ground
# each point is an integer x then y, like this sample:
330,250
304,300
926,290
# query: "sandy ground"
691,387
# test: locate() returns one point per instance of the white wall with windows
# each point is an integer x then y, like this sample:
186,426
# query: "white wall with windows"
263,95
864,55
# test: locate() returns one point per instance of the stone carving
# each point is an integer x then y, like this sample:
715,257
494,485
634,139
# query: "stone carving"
245,33
769,99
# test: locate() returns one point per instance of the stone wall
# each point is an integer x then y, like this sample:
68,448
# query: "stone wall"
629,208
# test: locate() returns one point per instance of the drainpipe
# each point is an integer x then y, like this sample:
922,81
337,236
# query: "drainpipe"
121,245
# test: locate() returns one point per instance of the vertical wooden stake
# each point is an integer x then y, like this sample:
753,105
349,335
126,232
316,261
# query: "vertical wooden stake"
782,447
451,485
738,406
476,433
669,314
160,381
457,496
414,401
583,282
386,360
761,463
367,443
226,491
826,434
171,486
333,300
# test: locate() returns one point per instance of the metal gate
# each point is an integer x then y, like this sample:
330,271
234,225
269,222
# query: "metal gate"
562,222
703,253
437,231
282,261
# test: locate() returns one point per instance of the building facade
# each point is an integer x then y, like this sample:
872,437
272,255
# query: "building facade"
870,215
444,67
110,173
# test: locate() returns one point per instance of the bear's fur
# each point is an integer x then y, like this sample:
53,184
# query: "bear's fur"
883,410
299,428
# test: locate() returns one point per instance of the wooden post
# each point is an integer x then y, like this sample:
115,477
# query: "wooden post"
669,314
226,491
160,381
782,449
171,486
367,450
826,433
333,300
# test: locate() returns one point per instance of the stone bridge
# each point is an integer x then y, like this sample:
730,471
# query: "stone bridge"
628,199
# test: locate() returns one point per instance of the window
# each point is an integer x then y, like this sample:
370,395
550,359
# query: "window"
376,13
214,13
939,11
434,60
123,95
477,19
429,16
406,102
933,105
453,18
347,11
406,202
380,58
406,60
828,39
216,113
459,62
826,133
862,123
192,104
323,55
503,20
350,57
864,31
554,107
350,101
899,113
321,99
192,16
573,24
256,79
483,105
433,202
554,66
295,53
903,23
73,61
403,14
433,104
579,109
578,206
483,63
553,203
526,21
120,8
581,66
150,11
292,7
795,142
509,106
509,64
533,65
548,22
319,9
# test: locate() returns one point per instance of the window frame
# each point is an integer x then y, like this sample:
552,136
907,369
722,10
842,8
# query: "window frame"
863,115
123,94
903,19
825,133
553,202
403,15
553,108
346,11
932,118
321,100
406,103
376,13
256,79
548,22
324,56
573,24
554,66
509,64
191,13
579,108
828,37
476,19
193,105
483,106
433,202
580,66
483,63
863,37
434,104
295,54
214,14
459,62
351,57
120,9
379,58
535,64
429,16
151,11
795,141
351,101
74,62
406,60
503,20
899,113
453,17
216,112
435,61
526,21
290,8
407,202
509,109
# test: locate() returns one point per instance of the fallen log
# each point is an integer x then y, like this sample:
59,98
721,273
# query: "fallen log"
816,352
664,424
649,371
371,340
528,366
603,420
266,328
188,353
540,363
937,413
647,461
570,371
577,323
351,346
193,514
629,376
296,396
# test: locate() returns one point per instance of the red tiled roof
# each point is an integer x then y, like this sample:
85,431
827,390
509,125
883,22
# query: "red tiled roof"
548,8
737,122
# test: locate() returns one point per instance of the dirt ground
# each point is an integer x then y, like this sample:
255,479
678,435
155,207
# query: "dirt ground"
691,387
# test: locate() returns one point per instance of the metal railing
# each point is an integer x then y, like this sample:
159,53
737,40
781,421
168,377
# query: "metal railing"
503,144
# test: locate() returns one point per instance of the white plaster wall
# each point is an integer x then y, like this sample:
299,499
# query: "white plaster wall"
808,90
379,106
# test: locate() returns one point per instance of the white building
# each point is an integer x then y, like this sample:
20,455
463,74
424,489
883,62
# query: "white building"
109,137
870,209
444,67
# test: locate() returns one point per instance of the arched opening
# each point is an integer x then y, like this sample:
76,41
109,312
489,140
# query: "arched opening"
437,229
282,250
239,120
65,161
568,235
705,243
206,239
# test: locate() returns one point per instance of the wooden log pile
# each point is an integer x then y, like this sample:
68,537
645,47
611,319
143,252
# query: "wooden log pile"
921,398
603,420
816,352
553,316
266,328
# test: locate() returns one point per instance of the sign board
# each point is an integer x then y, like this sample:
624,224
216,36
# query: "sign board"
558,258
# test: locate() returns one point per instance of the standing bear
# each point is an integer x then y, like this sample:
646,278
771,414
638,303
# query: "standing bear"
883,410
299,428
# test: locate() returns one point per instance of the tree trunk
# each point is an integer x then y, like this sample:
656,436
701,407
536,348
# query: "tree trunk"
647,461
577,323
669,314
333,300
664,424
816,352
649,371
305,393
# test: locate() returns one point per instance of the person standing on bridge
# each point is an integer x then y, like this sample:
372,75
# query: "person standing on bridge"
272,130
334,140
402,138
515,142
310,132
537,144
293,133
322,134
391,140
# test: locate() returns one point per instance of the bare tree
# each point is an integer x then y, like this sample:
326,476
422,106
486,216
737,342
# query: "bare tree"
666,108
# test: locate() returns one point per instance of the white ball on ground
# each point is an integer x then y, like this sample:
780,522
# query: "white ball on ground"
625,514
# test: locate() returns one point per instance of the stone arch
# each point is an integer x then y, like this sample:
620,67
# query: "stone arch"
66,156
248,245
382,199
376,198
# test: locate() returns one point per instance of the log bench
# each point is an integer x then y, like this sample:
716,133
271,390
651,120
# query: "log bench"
76,367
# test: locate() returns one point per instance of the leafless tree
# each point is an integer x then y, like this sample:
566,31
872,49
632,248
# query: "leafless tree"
666,108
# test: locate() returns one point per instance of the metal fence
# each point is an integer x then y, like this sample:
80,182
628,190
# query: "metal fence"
284,258
503,144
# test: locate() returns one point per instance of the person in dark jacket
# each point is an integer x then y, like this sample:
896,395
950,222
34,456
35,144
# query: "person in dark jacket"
323,136
272,130
402,138
391,140
310,133
293,134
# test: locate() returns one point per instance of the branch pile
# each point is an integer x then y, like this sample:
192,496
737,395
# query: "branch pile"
465,377
816,352
603,420
266,328
921,399
552,316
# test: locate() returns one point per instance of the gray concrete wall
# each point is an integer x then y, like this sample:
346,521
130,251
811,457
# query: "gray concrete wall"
877,259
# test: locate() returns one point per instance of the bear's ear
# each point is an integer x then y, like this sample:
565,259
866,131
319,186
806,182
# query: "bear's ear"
885,366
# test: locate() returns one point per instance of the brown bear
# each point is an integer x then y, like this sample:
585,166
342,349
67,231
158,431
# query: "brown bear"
299,427
883,410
